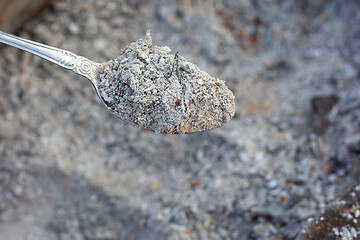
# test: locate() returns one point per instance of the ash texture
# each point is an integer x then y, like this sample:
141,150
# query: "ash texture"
339,220
156,90
70,169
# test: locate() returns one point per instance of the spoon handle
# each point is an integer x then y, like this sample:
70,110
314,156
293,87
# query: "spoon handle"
63,58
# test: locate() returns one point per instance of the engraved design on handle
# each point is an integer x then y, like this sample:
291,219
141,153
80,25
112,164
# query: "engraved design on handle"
78,64
63,58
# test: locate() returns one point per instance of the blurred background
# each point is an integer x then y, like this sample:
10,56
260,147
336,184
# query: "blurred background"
69,169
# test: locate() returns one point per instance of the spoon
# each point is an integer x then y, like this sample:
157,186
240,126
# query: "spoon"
63,58
147,86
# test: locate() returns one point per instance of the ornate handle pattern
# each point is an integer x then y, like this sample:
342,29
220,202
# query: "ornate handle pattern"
78,64
63,58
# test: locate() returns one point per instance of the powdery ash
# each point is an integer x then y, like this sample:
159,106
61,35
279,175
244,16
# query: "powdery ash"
153,89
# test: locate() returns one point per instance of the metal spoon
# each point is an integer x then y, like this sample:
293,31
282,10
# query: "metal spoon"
63,58
215,105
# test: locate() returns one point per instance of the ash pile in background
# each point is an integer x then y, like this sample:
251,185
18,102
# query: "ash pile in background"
71,170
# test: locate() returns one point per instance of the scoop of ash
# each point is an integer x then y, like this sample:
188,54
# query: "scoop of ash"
153,89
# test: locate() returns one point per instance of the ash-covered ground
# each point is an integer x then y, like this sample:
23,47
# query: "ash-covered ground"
69,169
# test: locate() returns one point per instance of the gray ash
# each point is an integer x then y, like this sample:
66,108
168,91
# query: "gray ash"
153,89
